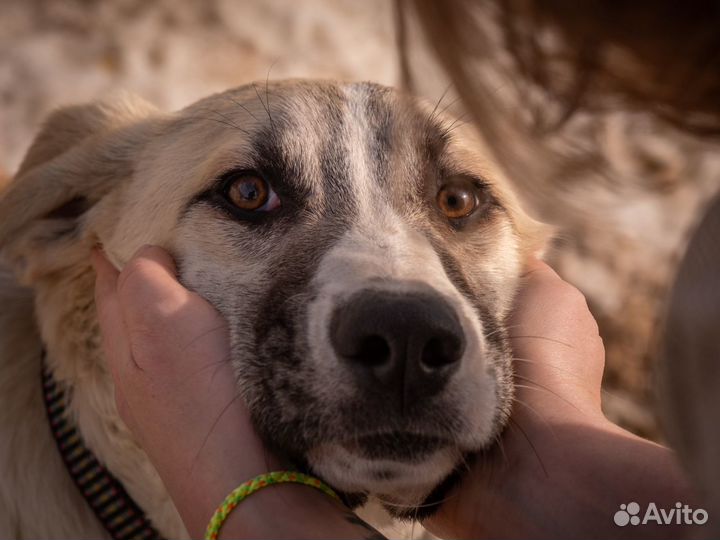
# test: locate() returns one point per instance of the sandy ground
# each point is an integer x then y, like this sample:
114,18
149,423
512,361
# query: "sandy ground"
620,233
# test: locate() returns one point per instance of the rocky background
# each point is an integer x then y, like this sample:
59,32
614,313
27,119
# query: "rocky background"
620,233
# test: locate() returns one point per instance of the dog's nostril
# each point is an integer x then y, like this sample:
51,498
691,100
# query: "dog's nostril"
440,352
373,351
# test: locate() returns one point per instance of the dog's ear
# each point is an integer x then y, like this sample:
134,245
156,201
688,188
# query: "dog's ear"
79,156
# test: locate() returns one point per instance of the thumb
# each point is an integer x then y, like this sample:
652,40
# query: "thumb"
169,327
112,327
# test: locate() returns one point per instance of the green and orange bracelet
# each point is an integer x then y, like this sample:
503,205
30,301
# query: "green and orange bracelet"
243,491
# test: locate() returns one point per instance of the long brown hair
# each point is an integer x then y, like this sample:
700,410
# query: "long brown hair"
657,55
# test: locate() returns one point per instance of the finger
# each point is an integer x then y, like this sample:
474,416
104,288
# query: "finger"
150,275
123,407
105,277
554,335
538,269
153,298
542,288
159,256
158,310
149,292
112,327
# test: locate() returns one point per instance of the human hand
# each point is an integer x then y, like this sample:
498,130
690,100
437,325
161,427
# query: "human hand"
561,468
168,350
558,353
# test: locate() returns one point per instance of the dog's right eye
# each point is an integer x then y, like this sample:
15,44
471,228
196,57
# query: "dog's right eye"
249,192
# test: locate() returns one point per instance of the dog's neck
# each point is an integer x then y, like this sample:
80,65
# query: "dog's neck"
66,315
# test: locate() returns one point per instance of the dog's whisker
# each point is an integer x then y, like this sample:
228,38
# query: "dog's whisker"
243,107
267,93
458,122
499,443
447,107
230,121
544,365
432,114
568,345
535,412
539,389
497,331
512,326
219,121
542,387
216,364
515,423
454,126
416,506
213,426
204,334
267,109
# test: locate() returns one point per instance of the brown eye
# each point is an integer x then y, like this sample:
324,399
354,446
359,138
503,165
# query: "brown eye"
457,201
249,192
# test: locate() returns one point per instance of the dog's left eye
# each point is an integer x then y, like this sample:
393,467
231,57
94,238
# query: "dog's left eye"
457,199
249,192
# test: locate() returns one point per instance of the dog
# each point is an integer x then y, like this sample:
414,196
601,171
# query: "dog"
363,247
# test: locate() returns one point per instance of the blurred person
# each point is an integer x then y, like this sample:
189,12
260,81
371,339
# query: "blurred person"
660,57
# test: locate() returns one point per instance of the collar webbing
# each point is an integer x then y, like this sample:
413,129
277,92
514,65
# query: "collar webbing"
115,509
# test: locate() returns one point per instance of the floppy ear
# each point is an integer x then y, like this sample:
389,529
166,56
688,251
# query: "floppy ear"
81,154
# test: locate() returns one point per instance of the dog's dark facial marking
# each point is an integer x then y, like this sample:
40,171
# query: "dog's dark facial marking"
287,414
397,445
380,116
384,474
495,332
280,349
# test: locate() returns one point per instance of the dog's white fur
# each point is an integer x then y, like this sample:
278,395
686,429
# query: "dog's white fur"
81,152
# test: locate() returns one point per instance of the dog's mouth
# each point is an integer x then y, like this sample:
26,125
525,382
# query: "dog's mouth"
399,467
395,446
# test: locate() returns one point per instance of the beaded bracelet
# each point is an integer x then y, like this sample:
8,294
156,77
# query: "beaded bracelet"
243,491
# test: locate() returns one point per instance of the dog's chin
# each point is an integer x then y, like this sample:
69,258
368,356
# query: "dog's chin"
401,480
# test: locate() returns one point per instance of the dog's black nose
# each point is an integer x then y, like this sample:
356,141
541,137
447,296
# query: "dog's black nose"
407,343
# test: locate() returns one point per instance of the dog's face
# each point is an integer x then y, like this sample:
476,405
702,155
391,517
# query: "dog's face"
363,250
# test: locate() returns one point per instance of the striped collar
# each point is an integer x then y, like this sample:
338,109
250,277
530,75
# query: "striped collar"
120,515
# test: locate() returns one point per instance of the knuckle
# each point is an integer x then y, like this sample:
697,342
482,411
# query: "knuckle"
132,278
147,250
571,295
156,254
575,302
